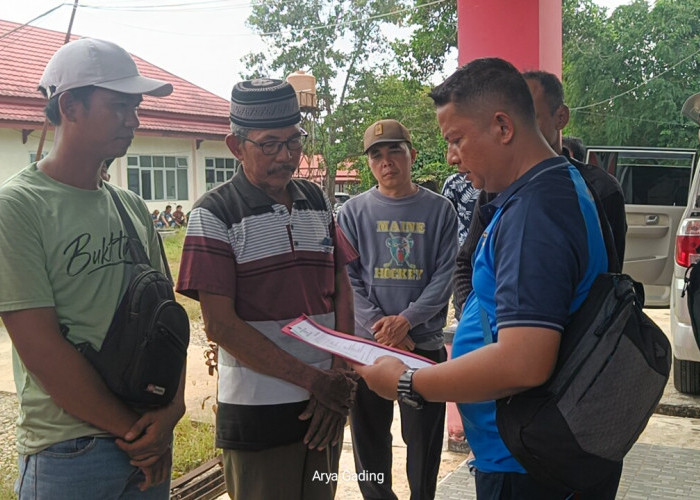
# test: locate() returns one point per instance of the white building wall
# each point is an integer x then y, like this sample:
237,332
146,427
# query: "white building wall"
14,156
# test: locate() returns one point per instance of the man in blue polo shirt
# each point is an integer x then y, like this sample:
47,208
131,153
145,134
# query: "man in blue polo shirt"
534,266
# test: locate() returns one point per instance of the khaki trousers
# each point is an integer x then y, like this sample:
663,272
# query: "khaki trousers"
289,472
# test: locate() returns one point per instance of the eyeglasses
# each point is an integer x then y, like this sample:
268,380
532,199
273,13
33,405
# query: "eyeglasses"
271,148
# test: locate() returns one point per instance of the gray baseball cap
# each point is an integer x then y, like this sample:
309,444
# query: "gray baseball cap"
89,61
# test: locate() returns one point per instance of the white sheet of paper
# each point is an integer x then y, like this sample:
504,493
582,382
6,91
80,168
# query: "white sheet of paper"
355,350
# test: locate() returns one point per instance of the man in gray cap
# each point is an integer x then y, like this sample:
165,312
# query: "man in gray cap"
406,236
62,276
261,250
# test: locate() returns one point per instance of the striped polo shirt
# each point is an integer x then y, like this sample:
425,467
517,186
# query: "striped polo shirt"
276,265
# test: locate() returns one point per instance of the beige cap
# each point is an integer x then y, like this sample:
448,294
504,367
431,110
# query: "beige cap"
89,61
386,131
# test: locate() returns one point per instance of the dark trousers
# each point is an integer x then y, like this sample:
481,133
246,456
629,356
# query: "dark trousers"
514,486
422,431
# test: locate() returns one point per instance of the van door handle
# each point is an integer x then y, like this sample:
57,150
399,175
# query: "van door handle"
651,220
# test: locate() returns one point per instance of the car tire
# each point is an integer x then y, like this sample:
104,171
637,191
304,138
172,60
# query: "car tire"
686,376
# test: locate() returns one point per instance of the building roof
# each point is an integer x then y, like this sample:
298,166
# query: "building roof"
189,111
313,169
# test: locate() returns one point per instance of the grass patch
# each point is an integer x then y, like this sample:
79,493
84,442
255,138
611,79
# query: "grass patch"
8,474
194,445
173,252
7,490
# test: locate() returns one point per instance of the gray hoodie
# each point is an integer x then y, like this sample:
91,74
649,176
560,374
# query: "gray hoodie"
407,250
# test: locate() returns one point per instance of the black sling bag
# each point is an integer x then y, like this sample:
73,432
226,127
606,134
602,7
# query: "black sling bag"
144,352
611,371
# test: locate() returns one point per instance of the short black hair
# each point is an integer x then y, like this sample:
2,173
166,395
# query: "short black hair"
575,147
553,89
51,109
486,78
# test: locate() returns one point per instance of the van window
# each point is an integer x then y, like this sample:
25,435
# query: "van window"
648,177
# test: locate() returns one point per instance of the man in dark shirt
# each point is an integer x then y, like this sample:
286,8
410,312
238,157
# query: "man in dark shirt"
552,117
543,223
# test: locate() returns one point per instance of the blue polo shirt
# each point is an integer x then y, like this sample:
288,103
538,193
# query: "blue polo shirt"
533,267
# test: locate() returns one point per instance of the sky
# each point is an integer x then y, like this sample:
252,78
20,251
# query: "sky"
202,41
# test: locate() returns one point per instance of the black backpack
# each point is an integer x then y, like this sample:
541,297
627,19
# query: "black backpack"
144,352
613,364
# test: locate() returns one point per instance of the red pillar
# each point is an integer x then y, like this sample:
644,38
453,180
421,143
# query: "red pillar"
526,33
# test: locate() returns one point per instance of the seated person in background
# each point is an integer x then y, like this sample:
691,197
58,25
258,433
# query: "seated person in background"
157,219
167,217
179,216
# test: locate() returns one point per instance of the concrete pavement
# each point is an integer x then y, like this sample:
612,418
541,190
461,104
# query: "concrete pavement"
664,464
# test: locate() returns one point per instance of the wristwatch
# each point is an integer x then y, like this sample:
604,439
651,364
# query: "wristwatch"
405,390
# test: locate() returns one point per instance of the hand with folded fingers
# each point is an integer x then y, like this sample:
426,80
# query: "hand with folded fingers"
157,472
393,331
335,390
326,426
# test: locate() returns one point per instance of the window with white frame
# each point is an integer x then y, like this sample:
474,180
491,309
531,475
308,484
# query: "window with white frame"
158,178
219,170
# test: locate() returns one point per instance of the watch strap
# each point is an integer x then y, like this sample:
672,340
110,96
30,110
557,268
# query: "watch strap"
405,391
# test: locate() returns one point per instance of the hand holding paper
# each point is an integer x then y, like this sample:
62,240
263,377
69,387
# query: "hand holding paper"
355,349
383,376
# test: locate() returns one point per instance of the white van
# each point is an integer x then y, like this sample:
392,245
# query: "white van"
656,185
686,351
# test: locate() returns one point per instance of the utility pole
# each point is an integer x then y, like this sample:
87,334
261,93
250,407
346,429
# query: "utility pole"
39,150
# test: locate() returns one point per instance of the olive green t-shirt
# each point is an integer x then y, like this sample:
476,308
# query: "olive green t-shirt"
63,247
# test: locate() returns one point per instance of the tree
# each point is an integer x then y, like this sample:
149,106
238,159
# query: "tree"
433,39
379,96
626,76
337,42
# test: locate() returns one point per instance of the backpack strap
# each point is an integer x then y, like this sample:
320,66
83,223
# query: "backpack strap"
135,246
165,259
613,262
614,265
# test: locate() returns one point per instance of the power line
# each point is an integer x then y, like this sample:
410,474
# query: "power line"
631,118
32,20
645,82
370,18
203,5
222,5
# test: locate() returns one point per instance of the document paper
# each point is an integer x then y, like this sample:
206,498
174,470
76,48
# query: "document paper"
355,349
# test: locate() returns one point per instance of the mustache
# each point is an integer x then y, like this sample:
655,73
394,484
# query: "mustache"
287,166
